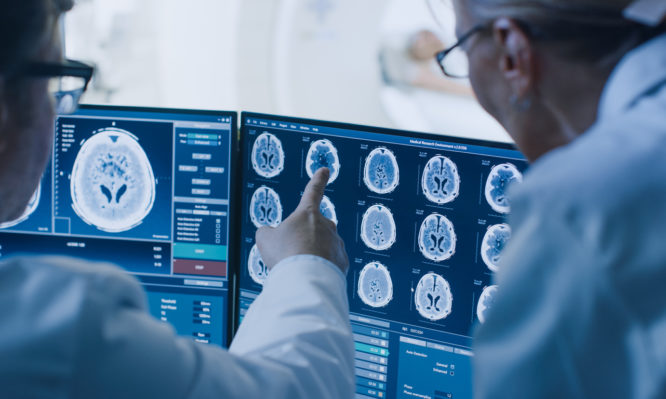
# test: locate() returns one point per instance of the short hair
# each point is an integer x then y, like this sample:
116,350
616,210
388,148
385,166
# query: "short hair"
24,27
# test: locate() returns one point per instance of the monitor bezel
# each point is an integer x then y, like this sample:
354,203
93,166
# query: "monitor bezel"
339,125
232,245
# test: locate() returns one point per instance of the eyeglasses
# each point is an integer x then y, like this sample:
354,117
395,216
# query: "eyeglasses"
67,82
453,61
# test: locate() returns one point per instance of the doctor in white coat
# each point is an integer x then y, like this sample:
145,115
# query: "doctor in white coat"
71,329
581,87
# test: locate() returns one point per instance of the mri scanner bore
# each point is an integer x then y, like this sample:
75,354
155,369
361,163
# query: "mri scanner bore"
381,173
267,156
328,209
29,209
493,244
256,266
437,238
440,181
433,298
378,230
501,177
323,154
375,287
486,301
112,183
265,207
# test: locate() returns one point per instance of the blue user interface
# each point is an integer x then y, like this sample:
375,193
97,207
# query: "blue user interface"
148,190
423,221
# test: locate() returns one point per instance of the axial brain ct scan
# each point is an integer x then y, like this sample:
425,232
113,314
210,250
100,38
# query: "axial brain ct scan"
423,222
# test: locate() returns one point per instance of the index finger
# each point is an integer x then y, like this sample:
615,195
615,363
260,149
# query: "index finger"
314,191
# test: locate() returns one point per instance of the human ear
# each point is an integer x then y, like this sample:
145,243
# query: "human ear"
517,57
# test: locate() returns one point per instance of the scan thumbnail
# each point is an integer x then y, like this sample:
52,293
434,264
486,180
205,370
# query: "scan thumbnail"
501,177
267,156
265,207
493,244
440,180
29,209
375,287
256,266
112,183
381,173
437,238
433,298
378,230
323,154
486,302
328,209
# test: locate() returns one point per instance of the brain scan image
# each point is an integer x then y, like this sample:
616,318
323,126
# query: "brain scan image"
112,182
500,178
381,174
440,181
378,228
256,266
265,207
328,209
493,243
486,302
29,209
323,154
437,239
375,287
433,298
267,156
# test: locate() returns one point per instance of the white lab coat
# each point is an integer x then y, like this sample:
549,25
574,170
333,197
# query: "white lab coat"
73,329
581,311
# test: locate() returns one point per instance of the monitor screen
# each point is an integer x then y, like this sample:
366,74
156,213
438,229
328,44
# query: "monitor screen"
423,221
148,190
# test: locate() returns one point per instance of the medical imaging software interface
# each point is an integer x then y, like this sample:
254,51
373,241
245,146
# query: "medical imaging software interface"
148,190
423,221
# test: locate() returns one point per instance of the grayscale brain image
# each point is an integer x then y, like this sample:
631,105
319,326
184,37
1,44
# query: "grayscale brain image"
437,238
486,301
378,229
256,266
29,209
112,182
265,208
323,154
381,173
267,156
375,287
493,244
433,297
328,209
440,181
501,177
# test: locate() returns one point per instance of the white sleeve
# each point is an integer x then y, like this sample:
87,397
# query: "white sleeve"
295,342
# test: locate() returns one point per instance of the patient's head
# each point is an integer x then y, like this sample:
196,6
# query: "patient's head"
29,32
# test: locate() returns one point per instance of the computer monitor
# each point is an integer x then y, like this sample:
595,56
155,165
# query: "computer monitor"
423,220
148,190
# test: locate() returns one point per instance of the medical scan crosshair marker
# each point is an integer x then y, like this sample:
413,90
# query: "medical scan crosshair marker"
501,177
256,267
267,156
486,302
440,181
375,287
381,173
323,154
437,238
433,297
494,241
112,182
265,208
29,209
378,230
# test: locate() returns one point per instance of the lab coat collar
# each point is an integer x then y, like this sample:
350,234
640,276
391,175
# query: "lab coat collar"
639,72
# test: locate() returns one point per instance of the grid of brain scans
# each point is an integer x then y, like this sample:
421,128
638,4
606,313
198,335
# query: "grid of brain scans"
423,220
148,190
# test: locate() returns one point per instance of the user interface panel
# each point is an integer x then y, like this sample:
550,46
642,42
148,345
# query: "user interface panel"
148,190
423,220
